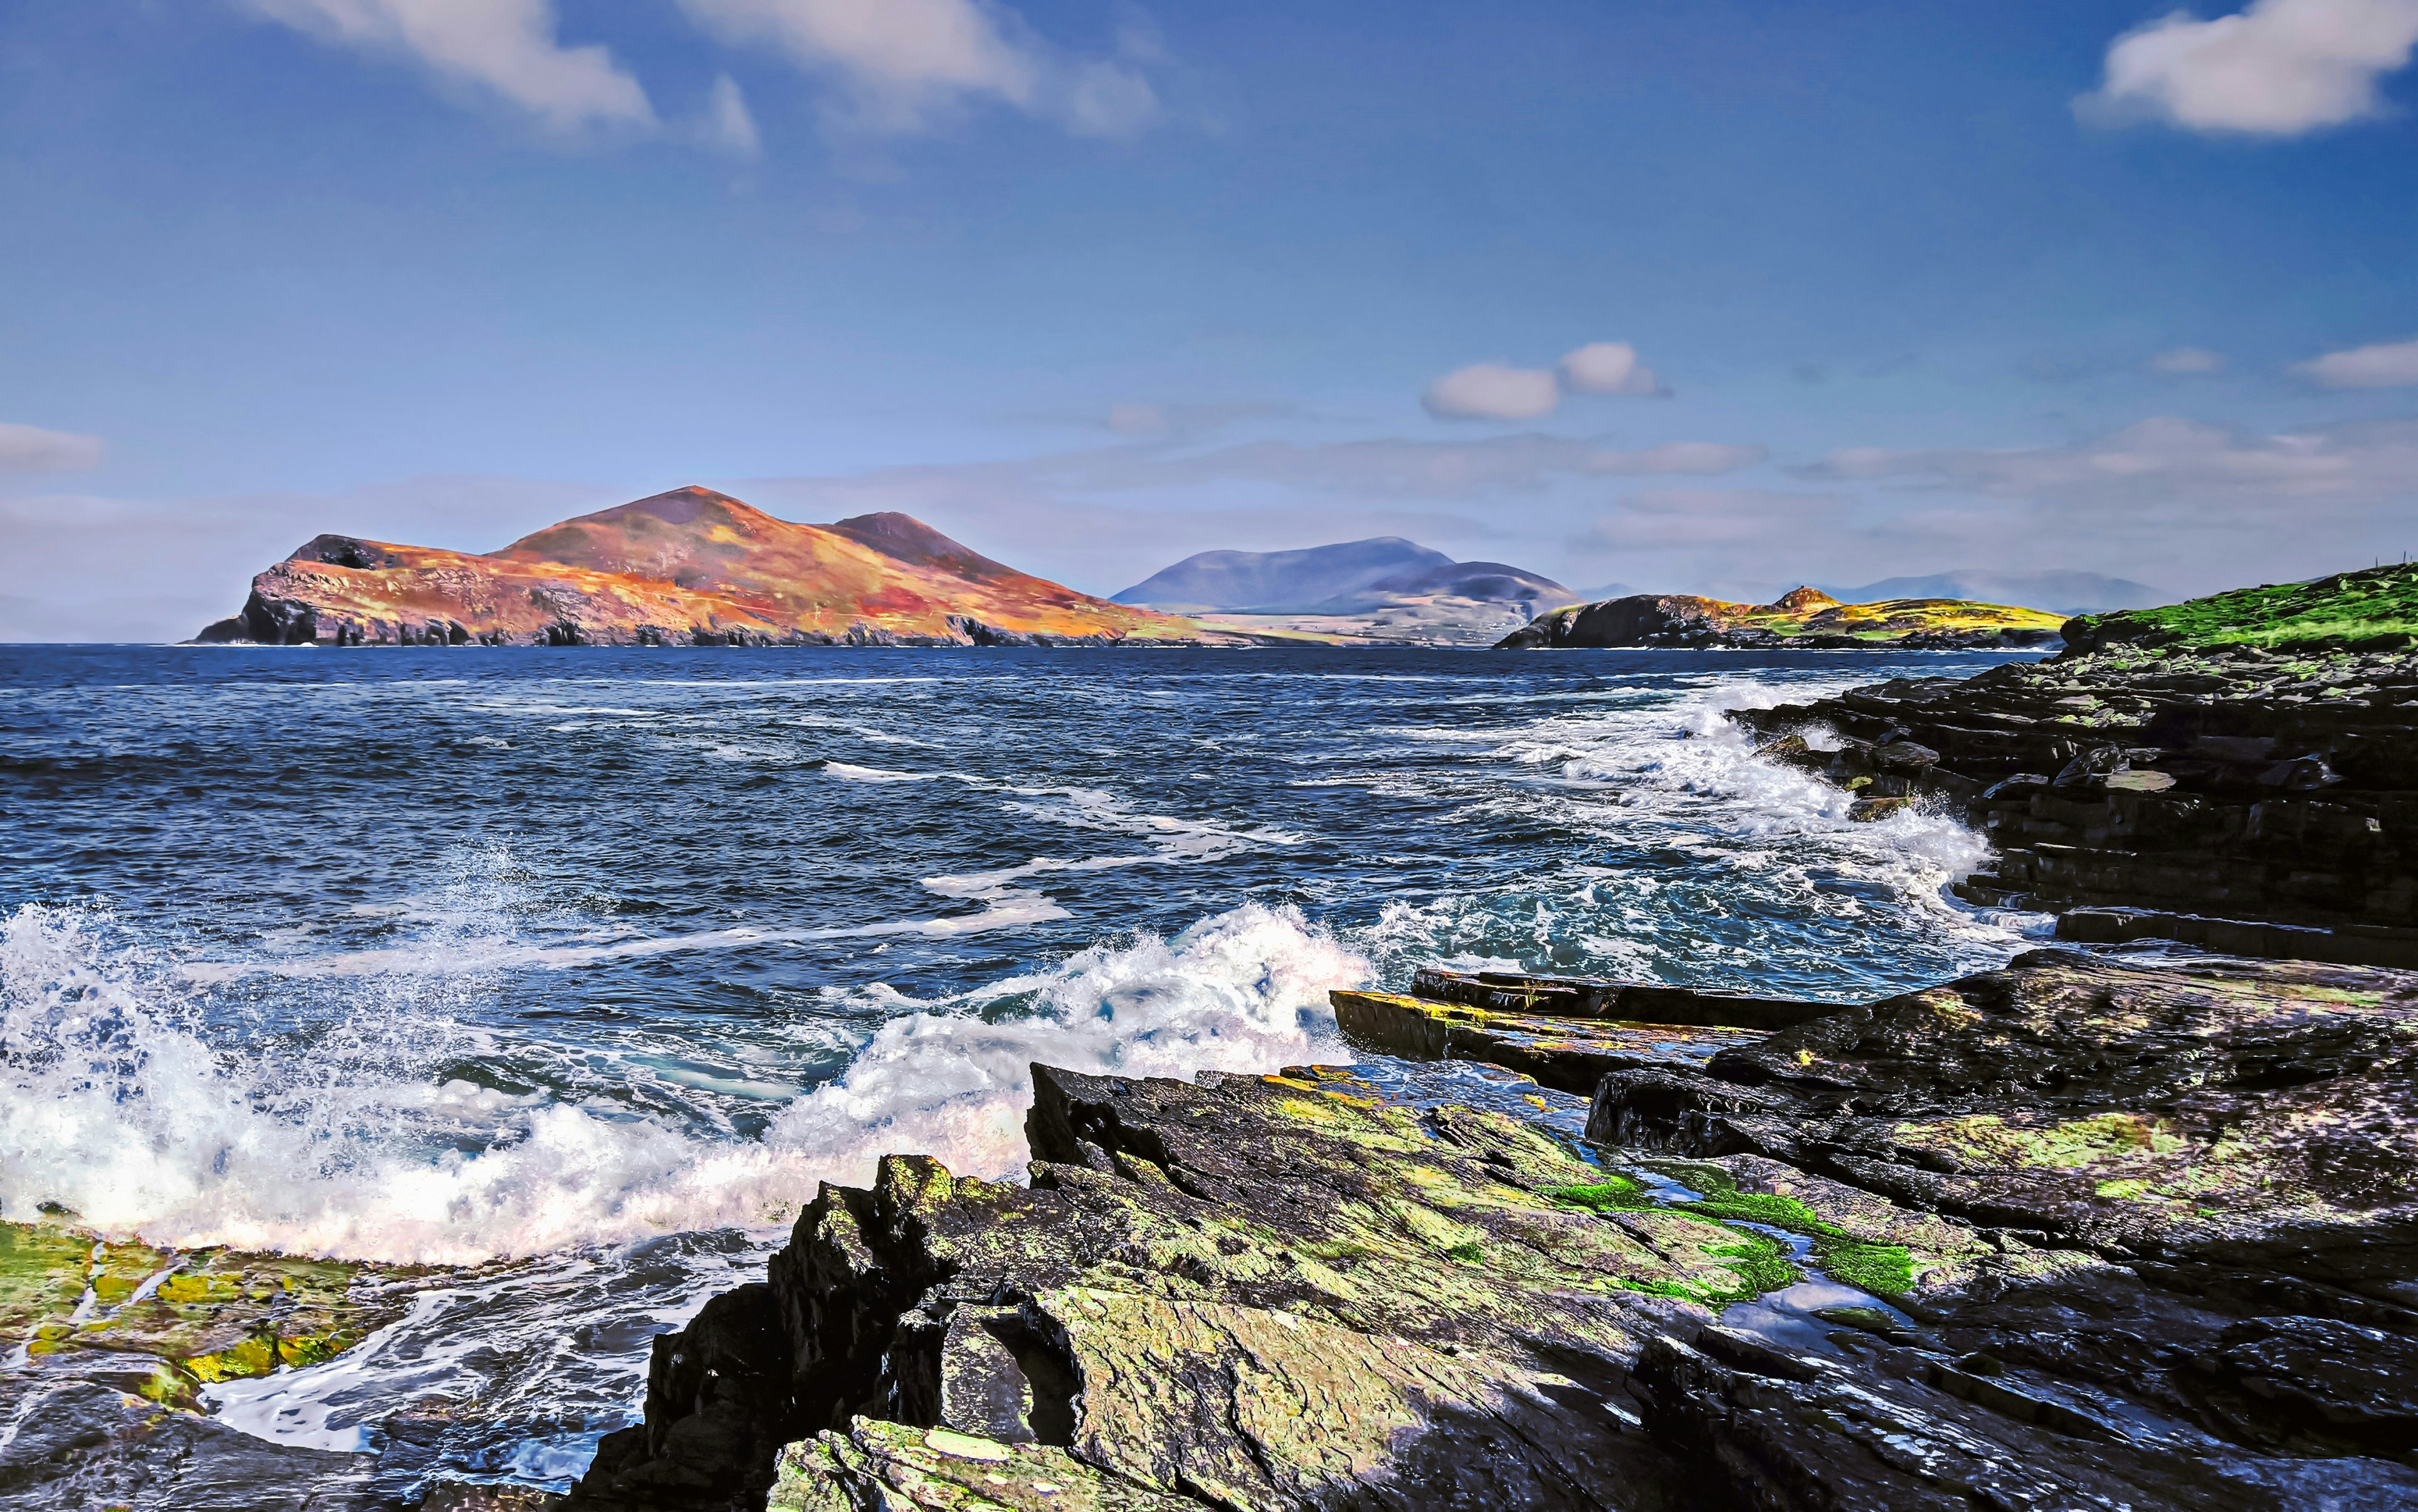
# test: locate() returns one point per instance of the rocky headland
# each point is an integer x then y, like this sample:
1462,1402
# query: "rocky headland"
2073,1234
690,567
1803,618
2239,770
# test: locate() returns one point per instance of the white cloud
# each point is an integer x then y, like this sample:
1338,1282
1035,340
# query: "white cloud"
729,127
1677,457
1497,390
1492,390
507,47
1607,368
2385,365
2187,361
902,63
2282,67
31,449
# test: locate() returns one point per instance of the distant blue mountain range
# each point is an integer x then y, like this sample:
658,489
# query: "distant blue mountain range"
1349,577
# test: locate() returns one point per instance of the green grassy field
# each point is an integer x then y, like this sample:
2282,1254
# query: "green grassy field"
2371,610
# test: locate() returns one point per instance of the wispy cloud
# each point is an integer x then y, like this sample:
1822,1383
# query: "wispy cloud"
2187,362
31,449
899,65
508,49
1667,518
2385,365
729,127
2281,67
2168,470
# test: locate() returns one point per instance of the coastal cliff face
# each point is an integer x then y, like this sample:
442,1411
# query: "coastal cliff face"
690,567
1803,618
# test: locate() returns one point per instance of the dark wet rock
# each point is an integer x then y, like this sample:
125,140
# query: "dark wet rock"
2226,784
2198,1181
75,1438
2258,1114
1569,1052
2089,1237
1897,1429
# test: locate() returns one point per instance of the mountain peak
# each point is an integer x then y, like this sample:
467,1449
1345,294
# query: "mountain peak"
907,538
1802,598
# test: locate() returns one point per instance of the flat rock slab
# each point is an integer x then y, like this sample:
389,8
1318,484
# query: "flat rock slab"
1568,1054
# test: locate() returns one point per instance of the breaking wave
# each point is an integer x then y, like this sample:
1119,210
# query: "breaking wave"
125,1100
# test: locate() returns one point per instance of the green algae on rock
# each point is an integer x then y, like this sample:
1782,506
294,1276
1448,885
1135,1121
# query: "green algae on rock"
189,1318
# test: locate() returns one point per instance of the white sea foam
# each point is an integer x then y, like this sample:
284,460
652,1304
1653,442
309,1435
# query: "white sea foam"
847,773
116,1102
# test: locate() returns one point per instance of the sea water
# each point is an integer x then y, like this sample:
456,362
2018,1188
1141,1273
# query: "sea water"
570,973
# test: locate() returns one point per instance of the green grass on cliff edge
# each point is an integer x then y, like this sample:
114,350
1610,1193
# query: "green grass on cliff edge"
2375,609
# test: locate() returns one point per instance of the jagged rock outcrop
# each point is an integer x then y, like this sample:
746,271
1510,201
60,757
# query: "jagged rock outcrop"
2123,1237
690,567
2240,771
2233,783
1803,618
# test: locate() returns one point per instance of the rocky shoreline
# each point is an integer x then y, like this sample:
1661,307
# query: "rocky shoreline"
2253,795
2076,1233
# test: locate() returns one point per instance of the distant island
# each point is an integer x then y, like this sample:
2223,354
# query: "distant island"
1382,590
691,566
1804,619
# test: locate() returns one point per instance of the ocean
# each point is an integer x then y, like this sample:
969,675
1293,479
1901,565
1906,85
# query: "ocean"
567,974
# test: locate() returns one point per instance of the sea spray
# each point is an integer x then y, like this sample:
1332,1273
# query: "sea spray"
119,1108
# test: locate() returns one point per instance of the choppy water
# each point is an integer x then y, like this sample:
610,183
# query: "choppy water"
598,961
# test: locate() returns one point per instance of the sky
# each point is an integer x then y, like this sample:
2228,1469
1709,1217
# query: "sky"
1689,295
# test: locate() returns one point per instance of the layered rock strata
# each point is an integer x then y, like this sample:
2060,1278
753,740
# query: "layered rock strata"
2244,784
2084,1236
2208,1174
1803,618
1563,1032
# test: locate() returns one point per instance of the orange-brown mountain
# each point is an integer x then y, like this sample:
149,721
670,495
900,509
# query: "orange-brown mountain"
690,567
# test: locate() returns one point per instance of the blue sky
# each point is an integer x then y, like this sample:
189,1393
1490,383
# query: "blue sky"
1844,291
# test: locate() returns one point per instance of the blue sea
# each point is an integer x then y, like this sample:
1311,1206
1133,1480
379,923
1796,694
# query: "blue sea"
570,973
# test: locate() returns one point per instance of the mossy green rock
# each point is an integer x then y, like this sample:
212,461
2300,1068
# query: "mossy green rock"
185,1319
1269,1290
